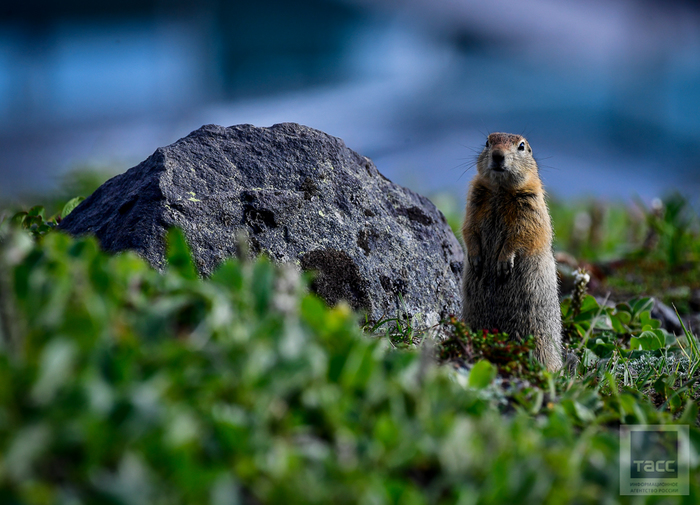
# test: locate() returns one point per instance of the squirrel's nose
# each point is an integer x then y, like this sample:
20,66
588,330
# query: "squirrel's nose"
497,157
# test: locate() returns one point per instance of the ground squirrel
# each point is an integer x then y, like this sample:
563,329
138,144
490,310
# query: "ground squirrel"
510,276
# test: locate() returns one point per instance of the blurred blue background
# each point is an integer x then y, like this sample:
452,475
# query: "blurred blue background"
607,91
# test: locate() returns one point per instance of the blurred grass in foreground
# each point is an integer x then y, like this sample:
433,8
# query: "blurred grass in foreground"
119,384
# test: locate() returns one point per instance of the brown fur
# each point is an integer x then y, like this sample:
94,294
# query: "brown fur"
510,278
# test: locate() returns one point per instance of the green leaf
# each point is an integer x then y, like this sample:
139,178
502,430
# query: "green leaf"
565,308
623,317
19,218
602,346
649,340
589,357
640,305
661,387
661,336
645,319
179,257
589,303
617,324
37,211
623,308
57,361
313,310
482,374
70,205
263,284
690,413
583,413
229,275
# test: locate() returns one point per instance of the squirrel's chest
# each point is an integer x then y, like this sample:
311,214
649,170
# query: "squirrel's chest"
499,219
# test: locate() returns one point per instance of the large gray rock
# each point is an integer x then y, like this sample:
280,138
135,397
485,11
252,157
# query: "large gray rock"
303,197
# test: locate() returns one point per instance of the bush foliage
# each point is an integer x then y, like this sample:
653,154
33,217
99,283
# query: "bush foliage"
123,385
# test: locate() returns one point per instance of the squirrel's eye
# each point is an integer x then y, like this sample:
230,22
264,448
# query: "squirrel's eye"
521,147
487,143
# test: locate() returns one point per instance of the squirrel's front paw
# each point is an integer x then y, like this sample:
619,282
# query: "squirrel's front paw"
505,268
475,262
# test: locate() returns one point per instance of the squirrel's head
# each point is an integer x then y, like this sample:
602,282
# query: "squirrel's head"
507,160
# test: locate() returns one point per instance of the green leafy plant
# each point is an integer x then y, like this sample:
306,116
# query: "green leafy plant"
672,231
596,230
35,221
120,384
510,357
